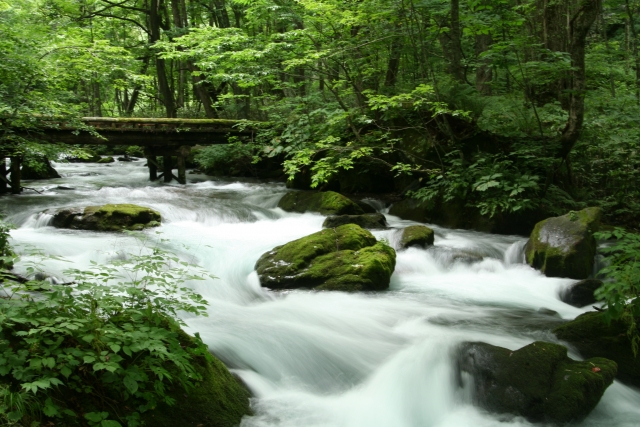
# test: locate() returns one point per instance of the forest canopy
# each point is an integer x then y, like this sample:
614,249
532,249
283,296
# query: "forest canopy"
506,105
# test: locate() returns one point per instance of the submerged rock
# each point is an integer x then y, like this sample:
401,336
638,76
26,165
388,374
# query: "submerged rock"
107,218
538,381
580,293
346,258
416,235
326,203
564,246
592,336
371,221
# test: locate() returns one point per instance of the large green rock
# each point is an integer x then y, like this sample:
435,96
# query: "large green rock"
219,400
592,336
416,235
326,203
346,258
538,381
564,246
107,218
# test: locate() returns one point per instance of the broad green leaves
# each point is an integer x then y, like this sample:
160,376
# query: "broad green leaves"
112,330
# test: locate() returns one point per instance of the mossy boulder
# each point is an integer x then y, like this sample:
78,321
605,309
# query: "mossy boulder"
371,221
538,381
592,336
564,246
416,235
107,159
345,258
107,218
219,400
326,203
581,293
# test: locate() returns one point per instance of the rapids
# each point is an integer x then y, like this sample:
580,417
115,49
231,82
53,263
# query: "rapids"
317,359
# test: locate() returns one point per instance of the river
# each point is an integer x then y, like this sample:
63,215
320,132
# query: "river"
317,359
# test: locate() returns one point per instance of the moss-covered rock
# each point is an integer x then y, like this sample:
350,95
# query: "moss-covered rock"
592,336
107,159
371,221
219,400
346,258
326,203
107,218
581,293
416,235
538,381
564,246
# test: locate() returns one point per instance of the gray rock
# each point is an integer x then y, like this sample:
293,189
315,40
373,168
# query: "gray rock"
417,235
538,381
564,246
580,293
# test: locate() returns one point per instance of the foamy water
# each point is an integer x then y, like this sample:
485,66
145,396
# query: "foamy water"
322,358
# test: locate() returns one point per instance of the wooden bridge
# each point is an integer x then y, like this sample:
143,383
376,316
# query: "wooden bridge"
159,137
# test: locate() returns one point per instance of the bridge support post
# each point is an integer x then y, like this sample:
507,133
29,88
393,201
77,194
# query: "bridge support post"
167,163
3,175
15,175
183,153
152,164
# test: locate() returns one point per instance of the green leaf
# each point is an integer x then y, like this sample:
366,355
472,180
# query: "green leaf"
130,383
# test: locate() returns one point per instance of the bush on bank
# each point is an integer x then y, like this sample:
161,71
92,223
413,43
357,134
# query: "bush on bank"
107,348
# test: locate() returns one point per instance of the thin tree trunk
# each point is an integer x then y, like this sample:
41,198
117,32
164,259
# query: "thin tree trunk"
166,95
580,23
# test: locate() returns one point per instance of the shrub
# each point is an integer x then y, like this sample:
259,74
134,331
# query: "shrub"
101,349
621,289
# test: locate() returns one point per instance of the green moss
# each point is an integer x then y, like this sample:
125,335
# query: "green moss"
106,160
416,235
345,258
592,336
218,400
117,217
564,246
326,203
577,387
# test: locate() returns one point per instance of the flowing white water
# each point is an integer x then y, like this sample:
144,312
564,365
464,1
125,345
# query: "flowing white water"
323,358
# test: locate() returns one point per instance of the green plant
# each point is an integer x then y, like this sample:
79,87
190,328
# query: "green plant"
102,348
621,289
492,184
7,255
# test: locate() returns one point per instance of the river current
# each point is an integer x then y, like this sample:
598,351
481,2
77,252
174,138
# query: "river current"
321,359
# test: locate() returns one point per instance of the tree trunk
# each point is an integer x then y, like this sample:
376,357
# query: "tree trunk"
166,95
581,20
484,72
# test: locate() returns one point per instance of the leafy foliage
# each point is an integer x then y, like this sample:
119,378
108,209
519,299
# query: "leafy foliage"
105,346
621,289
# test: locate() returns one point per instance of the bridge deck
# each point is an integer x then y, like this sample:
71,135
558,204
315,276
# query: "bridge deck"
169,138
151,132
